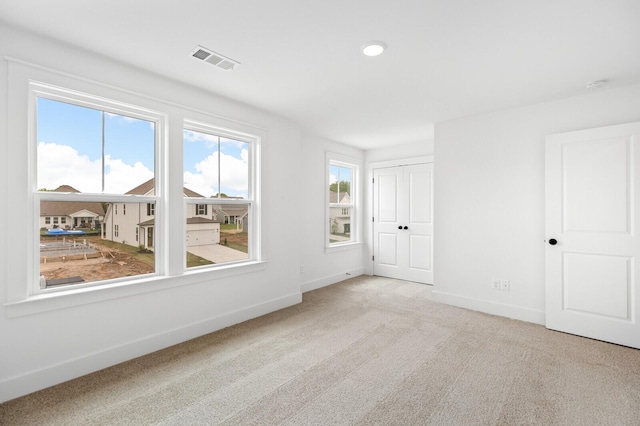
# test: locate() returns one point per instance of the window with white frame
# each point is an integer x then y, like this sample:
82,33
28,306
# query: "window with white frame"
92,154
341,200
83,147
218,186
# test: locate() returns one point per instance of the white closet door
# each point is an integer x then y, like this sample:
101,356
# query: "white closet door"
403,222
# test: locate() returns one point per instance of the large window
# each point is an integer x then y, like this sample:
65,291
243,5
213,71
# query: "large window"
92,156
219,196
341,205
79,149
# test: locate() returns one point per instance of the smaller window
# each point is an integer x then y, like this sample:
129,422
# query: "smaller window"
116,231
151,209
137,234
63,219
47,220
201,209
341,181
115,209
124,209
55,220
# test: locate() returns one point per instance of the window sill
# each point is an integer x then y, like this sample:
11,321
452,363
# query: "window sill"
81,296
343,247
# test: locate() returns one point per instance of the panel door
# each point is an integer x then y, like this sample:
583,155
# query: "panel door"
389,251
592,251
418,187
403,222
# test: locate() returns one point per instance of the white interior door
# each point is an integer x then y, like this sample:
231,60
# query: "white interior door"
403,222
592,251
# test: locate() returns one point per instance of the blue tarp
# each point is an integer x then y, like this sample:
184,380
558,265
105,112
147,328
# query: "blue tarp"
60,231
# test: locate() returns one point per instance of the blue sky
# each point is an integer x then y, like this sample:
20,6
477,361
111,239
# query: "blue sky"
70,153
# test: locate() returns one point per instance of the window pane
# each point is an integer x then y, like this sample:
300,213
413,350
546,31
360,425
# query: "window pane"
128,152
340,179
220,237
94,245
86,150
339,224
340,184
234,167
215,165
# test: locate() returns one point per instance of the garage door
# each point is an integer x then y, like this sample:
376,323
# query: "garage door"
201,237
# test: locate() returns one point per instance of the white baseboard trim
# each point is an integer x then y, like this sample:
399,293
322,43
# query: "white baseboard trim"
493,308
24,384
332,279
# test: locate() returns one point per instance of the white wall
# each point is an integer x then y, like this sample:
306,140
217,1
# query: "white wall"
45,348
319,267
489,199
399,152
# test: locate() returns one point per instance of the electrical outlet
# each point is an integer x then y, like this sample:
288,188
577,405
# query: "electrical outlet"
505,285
495,284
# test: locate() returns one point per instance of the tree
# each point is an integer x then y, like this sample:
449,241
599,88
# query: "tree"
342,186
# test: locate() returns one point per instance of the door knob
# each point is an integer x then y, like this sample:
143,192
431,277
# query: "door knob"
553,241
406,227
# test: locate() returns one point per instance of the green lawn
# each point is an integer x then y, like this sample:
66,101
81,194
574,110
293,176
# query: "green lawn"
229,227
193,260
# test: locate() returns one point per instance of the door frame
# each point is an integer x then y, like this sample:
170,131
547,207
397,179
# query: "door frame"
368,213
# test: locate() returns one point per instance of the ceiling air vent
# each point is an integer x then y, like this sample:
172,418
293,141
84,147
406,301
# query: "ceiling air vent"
214,58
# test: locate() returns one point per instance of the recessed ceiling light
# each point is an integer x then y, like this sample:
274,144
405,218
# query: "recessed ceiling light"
374,48
595,84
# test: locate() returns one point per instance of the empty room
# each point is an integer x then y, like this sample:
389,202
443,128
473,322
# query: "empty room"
319,212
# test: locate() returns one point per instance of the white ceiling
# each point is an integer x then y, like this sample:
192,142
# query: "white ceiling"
301,58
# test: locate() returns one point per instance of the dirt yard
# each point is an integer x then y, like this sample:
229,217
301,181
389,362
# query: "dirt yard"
105,264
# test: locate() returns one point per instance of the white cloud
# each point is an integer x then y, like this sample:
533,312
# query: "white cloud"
210,140
234,175
120,176
62,165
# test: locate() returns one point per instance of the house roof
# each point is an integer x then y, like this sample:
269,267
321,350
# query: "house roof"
333,197
148,187
232,210
143,188
67,208
65,188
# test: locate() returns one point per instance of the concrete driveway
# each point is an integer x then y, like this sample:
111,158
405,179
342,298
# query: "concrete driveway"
217,253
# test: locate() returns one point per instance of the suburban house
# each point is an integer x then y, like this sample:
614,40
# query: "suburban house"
494,152
231,214
134,223
70,215
339,217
